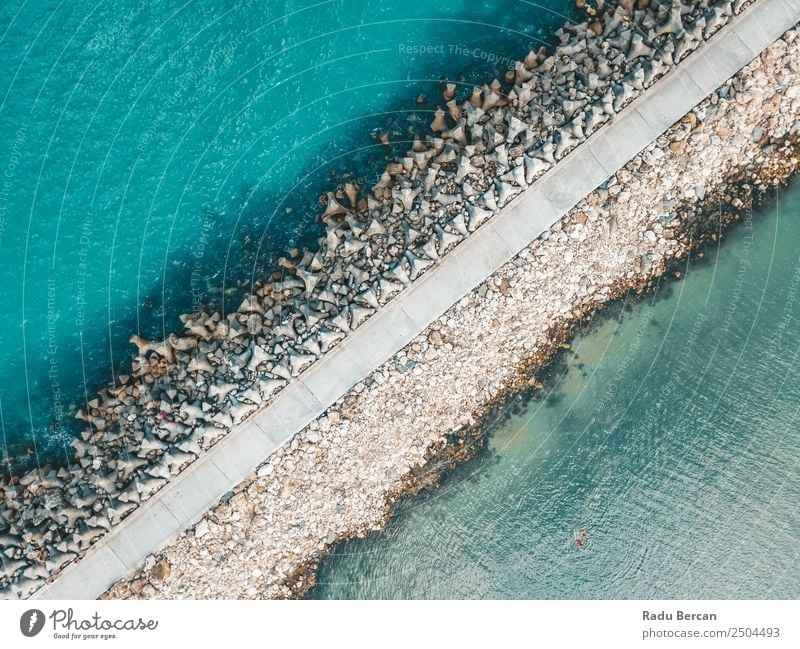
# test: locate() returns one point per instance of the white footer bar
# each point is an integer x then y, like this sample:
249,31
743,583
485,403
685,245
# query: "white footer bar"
145,624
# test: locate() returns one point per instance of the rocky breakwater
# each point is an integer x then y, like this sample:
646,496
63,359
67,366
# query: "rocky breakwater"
184,393
338,478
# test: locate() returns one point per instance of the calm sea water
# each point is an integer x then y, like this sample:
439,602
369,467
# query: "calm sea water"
157,154
669,433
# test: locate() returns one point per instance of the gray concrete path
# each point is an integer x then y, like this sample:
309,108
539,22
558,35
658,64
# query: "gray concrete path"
188,496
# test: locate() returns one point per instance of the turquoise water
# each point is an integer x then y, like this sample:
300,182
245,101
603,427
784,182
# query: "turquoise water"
157,155
669,432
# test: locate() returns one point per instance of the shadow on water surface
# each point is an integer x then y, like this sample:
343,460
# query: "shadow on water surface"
270,213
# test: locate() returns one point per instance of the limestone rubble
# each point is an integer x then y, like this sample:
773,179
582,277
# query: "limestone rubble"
338,478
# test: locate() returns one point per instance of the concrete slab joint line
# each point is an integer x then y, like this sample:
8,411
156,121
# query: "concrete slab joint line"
191,493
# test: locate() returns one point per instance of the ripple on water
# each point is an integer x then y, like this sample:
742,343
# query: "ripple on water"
677,454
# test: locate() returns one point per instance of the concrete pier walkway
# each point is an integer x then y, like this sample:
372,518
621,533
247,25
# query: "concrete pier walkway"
188,496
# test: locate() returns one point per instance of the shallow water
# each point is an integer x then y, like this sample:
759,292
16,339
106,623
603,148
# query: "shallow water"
156,155
669,432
